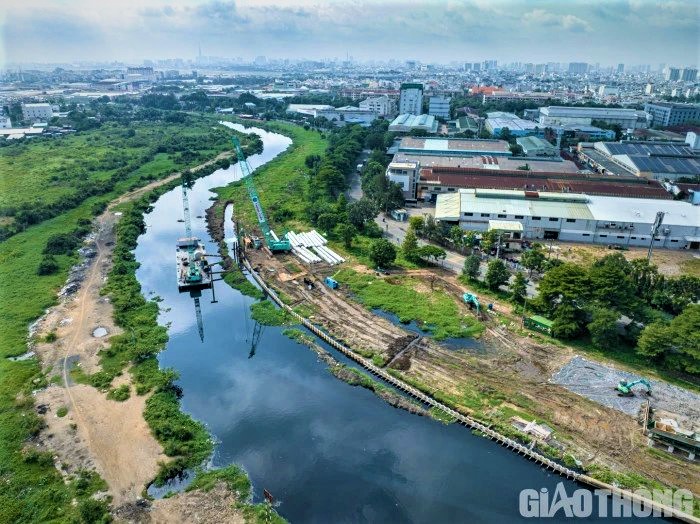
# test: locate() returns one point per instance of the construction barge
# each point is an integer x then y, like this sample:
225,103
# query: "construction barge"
193,270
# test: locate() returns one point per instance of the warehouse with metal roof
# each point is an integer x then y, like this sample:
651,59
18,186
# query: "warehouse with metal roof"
575,217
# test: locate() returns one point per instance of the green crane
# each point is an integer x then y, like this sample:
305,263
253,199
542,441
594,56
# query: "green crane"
624,388
274,243
194,273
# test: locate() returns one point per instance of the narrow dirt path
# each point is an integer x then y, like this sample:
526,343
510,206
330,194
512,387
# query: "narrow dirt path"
111,437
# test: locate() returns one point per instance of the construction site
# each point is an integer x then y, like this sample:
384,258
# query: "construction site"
589,411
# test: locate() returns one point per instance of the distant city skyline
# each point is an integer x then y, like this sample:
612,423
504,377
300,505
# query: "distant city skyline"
534,31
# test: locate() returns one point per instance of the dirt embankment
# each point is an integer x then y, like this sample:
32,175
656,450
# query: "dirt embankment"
96,433
512,371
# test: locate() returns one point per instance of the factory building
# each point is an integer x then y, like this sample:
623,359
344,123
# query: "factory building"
653,160
575,217
670,114
534,146
559,116
405,123
496,121
42,112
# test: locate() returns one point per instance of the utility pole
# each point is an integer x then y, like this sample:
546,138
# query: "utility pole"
654,230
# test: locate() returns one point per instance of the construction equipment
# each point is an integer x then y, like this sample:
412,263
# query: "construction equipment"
272,241
624,388
192,266
471,299
331,283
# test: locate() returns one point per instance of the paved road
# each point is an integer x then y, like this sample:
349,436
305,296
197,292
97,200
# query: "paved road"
396,231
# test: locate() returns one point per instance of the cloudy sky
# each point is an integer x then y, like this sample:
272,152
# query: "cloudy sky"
605,31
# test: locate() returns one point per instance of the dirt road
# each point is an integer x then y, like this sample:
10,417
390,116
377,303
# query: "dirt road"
108,436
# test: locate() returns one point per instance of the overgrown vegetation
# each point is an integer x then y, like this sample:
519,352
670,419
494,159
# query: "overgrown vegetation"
237,482
49,176
435,311
267,313
591,300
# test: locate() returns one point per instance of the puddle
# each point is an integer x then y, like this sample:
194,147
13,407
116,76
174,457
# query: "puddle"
175,485
24,356
466,343
99,332
411,326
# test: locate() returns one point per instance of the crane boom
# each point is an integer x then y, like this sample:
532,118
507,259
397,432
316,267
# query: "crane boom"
274,243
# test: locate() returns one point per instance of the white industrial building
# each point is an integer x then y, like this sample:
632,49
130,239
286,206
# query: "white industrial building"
337,115
625,118
411,99
41,112
575,217
382,105
439,106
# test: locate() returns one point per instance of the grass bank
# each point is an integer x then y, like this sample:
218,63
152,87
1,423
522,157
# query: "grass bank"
281,183
33,490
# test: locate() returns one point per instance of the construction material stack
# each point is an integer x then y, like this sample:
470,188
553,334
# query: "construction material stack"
311,248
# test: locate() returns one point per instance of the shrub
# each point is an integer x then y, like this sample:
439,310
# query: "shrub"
47,266
119,394
62,411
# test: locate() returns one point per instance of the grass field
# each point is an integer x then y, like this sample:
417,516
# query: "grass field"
51,175
435,311
33,490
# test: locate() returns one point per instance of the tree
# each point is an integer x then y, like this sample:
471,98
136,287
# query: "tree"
655,340
565,284
516,149
567,322
430,251
611,282
409,247
327,221
416,223
497,274
677,342
431,229
533,259
360,212
457,236
471,267
488,240
603,327
518,288
346,232
382,252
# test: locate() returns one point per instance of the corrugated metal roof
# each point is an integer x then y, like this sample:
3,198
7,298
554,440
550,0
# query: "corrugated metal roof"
514,203
448,206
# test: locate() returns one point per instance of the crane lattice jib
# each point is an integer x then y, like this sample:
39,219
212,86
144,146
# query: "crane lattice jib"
247,175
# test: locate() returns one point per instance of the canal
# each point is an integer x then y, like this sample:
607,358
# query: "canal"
327,451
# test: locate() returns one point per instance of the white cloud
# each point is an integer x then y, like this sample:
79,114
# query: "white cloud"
567,22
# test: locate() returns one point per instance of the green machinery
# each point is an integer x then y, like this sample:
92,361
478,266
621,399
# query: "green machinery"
194,273
624,388
272,241
473,300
